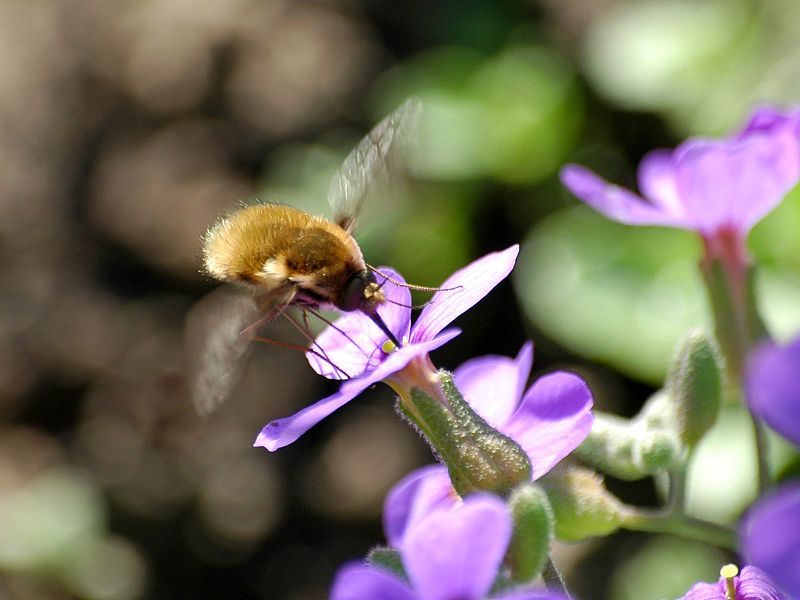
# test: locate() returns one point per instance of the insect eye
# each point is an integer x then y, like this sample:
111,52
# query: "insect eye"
352,296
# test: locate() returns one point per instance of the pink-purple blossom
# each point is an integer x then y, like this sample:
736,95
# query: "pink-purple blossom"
772,384
718,188
770,537
447,555
548,420
355,346
750,584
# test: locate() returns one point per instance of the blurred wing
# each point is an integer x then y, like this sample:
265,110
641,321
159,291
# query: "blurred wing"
215,346
368,162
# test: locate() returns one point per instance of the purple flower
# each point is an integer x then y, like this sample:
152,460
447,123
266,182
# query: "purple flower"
719,188
548,421
358,348
772,383
752,584
771,537
454,554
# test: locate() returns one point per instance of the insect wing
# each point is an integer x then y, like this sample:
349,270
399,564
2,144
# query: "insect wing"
368,162
215,346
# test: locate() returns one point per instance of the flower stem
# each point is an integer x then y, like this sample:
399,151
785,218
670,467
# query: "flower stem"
681,525
677,490
760,436
729,279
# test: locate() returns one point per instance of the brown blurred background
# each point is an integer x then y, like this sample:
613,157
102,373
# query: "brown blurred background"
126,128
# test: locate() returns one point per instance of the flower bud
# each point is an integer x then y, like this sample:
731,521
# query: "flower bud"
613,447
582,505
695,387
478,457
659,450
533,521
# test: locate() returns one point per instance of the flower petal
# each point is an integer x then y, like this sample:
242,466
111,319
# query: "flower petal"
772,381
470,285
705,591
735,183
554,417
616,203
361,582
530,595
395,361
767,119
656,178
456,554
282,432
754,584
352,344
771,537
413,498
493,385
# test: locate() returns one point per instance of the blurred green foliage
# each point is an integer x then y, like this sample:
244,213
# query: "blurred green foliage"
665,567
624,295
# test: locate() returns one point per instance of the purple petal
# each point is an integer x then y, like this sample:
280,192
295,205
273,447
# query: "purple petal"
352,344
554,417
457,554
754,584
469,285
705,591
734,184
656,178
397,360
530,595
616,203
767,119
361,582
771,537
750,584
347,349
493,385
282,432
772,382
415,497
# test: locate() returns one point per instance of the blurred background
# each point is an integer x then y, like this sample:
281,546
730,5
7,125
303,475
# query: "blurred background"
128,126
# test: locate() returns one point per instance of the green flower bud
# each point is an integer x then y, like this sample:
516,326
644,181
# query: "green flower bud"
478,457
694,384
658,412
582,505
612,446
533,530
659,450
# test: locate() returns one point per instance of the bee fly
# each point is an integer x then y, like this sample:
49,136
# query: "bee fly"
288,257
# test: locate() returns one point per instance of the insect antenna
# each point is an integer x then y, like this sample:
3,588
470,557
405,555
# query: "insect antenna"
411,286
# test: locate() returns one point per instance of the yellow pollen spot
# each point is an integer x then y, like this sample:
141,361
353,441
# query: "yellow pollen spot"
388,347
728,572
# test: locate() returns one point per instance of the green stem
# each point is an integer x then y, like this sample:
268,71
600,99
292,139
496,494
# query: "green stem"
681,525
676,502
760,435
